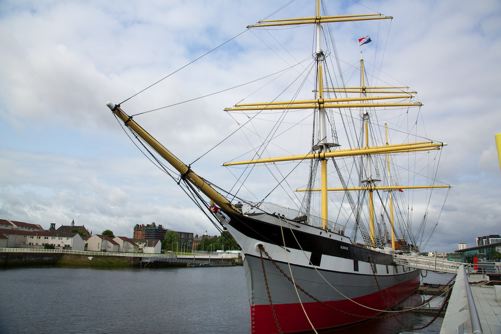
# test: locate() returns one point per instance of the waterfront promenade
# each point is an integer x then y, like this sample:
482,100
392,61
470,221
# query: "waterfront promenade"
35,256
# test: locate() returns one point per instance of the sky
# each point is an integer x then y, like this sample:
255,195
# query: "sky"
64,157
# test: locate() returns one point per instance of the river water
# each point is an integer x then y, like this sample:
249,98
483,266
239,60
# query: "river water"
177,300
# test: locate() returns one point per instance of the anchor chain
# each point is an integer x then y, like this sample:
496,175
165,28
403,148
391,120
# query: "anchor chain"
268,292
262,250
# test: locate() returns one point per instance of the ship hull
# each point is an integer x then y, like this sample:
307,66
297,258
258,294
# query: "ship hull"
363,296
294,287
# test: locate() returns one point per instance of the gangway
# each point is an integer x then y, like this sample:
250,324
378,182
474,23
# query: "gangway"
431,263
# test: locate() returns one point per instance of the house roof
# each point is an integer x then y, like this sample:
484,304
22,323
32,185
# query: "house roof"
110,239
7,231
152,243
78,228
128,240
27,225
5,223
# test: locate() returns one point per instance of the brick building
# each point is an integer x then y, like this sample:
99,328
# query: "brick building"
149,232
157,232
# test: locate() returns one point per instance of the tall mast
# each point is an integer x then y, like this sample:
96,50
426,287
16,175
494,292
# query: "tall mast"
390,192
367,167
185,171
322,144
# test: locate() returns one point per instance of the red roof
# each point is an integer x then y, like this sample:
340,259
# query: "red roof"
27,225
7,231
4,222
128,240
110,239
13,224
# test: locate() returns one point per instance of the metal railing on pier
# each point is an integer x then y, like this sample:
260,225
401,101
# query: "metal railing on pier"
461,315
169,255
431,263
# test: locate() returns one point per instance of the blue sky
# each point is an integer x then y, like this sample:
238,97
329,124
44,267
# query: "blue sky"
63,156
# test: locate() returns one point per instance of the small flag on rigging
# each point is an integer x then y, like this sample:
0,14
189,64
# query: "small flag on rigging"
364,40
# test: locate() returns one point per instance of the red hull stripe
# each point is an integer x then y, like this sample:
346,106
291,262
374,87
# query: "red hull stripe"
327,314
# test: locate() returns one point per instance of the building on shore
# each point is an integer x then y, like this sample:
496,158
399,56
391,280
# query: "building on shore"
3,241
126,245
56,240
102,243
489,252
185,241
72,228
152,247
149,232
140,244
157,232
17,238
488,240
17,225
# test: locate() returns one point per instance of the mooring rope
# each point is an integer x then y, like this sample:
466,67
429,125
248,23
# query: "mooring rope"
294,283
352,300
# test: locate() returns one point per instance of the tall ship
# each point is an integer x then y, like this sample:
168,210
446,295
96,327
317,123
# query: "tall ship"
326,259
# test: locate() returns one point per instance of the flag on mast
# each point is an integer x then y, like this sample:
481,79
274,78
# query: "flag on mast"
364,40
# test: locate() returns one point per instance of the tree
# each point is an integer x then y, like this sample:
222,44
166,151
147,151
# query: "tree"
224,242
108,233
171,238
229,242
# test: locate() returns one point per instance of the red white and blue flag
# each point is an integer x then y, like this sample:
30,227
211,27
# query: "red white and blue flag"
364,40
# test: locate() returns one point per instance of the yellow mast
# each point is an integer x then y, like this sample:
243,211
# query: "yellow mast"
362,188
321,151
322,120
182,168
390,192
396,148
367,165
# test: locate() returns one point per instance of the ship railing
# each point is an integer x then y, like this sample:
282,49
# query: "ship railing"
288,213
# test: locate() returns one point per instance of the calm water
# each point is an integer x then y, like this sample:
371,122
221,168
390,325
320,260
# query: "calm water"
185,300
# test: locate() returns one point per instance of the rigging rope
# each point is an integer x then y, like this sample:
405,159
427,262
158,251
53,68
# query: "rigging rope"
189,190
201,56
184,66
219,91
345,296
270,134
294,282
